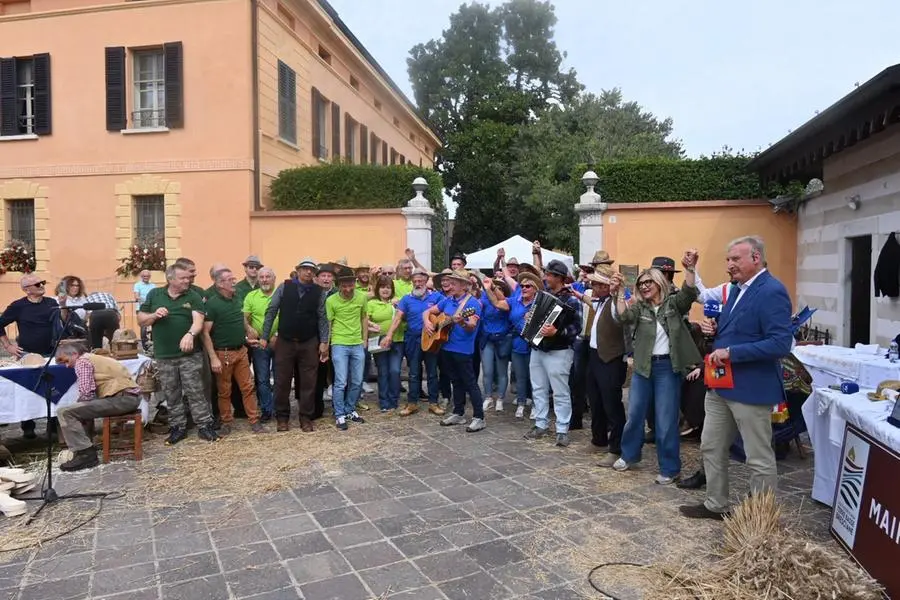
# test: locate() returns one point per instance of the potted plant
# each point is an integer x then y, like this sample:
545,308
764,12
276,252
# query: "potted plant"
147,253
17,256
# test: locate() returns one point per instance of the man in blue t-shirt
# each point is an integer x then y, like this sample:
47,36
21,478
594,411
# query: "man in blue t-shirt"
411,307
457,352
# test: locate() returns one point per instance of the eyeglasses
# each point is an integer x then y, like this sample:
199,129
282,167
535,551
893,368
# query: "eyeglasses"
645,283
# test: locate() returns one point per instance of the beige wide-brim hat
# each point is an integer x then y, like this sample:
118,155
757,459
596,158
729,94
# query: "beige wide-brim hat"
459,275
597,278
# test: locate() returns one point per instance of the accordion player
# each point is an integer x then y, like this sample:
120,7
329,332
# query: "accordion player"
546,309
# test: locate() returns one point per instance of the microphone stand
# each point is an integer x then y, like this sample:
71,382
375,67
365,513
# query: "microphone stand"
49,494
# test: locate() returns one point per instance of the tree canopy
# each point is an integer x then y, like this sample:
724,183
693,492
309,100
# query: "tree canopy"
515,123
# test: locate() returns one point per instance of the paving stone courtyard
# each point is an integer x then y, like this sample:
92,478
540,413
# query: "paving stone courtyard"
449,515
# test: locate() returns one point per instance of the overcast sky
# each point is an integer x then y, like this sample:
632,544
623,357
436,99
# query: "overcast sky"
728,73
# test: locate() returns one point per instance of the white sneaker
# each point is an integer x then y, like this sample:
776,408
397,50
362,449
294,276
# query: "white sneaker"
520,411
499,406
367,388
487,404
328,393
453,419
620,465
475,425
531,414
664,480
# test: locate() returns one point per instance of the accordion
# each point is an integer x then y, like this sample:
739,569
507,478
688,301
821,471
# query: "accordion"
545,310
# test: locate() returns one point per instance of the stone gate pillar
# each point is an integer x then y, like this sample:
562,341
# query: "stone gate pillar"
418,215
590,209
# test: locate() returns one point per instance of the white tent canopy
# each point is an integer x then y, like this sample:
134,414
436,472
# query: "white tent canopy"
515,247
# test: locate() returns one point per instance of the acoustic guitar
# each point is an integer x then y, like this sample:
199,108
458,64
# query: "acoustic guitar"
441,322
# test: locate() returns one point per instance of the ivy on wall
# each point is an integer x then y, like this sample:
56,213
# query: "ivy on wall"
346,186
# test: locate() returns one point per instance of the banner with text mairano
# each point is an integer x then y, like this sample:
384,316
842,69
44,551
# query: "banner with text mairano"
865,517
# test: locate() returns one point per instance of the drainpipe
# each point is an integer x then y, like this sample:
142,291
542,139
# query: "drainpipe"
254,59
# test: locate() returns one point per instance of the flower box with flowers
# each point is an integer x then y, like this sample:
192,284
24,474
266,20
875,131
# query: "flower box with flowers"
147,254
18,257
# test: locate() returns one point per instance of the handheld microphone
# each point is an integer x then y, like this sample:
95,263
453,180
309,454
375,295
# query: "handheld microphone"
712,309
92,306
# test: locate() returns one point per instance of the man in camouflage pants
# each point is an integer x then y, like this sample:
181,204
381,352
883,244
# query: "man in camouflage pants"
175,313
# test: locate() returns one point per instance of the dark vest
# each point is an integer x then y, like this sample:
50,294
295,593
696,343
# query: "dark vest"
298,317
610,336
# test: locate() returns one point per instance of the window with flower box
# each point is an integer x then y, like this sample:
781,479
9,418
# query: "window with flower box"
18,250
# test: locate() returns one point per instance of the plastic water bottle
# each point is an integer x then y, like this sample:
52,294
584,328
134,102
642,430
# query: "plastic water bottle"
893,352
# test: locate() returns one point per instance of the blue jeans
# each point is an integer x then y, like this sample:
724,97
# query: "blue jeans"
520,365
550,371
348,374
388,365
262,372
495,364
412,349
462,374
663,389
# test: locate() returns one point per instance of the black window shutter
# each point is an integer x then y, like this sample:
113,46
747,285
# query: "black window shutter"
115,89
335,130
8,116
174,59
373,139
42,117
363,145
348,138
292,104
282,99
402,160
316,149
384,153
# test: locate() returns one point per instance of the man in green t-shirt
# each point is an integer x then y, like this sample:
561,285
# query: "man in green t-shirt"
250,281
346,312
224,336
175,313
255,305
403,284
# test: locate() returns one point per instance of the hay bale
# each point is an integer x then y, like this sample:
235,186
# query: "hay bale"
762,558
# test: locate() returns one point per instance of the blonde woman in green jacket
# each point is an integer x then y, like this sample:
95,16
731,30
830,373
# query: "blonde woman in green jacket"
663,352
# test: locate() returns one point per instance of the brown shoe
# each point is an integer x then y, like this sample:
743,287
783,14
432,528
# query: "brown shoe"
436,409
283,425
306,426
409,409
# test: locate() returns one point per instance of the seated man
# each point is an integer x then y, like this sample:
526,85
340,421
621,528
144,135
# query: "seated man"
105,389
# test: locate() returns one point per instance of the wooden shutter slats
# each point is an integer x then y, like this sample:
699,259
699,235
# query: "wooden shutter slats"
363,145
115,89
42,105
384,153
316,134
335,130
174,81
8,109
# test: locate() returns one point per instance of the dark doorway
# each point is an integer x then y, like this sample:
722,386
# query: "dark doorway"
860,288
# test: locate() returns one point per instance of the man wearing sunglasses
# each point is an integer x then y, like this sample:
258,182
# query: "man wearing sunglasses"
39,319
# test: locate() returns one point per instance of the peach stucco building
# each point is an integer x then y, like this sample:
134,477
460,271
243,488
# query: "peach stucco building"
124,118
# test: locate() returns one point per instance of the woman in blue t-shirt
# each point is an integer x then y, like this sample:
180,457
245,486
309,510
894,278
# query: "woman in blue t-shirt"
496,342
519,304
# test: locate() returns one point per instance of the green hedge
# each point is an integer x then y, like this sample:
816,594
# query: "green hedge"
666,180
346,186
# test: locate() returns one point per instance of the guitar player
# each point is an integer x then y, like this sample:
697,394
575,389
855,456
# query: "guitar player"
457,353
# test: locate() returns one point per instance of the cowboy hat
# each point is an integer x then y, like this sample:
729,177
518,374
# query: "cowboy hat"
459,275
598,278
664,264
601,257
437,277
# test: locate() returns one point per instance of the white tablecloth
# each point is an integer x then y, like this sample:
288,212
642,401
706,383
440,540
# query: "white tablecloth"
833,364
18,403
826,413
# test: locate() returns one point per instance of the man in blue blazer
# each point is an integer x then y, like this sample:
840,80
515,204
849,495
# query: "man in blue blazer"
753,333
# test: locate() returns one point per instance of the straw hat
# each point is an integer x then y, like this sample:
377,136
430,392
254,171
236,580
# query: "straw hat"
531,278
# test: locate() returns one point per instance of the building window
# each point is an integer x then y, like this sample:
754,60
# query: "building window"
351,139
25,95
149,218
377,104
20,222
320,132
287,103
286,16
324,54
393,156
149,89
155,87
354,83
374,145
